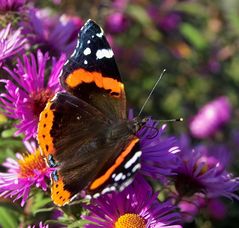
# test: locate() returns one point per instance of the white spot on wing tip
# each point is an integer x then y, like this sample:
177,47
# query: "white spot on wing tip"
100,35
87,51
104,53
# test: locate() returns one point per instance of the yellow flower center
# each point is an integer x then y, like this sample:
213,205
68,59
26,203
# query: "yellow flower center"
130,221
31,163
204,169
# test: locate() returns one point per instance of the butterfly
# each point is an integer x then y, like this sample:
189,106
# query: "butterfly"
84,132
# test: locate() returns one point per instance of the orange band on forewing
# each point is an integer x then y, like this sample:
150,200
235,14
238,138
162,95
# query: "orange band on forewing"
45,140
80,76
99,181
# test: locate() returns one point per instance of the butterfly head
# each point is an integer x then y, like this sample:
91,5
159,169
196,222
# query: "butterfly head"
137,123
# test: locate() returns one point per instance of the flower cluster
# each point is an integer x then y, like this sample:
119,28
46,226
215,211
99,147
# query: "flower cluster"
11,43
176,180
27,91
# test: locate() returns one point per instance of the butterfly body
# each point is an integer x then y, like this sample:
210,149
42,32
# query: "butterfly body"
84,133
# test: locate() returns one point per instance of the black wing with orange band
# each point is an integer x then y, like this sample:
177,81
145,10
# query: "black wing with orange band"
92,75
71,134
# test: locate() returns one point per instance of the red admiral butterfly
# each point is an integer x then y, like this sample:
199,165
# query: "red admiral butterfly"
84,132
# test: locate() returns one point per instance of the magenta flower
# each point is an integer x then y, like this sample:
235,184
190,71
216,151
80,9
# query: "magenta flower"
211,117
27,92
11,5
11,42
158,151
116,23
120,5
217,209
55,35
165,21
137,206
190,207
170,22
27,171
199,173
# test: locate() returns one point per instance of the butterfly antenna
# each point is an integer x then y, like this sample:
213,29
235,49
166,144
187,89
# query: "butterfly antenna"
151,92
172,120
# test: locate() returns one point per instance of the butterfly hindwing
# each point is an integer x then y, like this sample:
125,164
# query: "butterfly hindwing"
120,173
92,75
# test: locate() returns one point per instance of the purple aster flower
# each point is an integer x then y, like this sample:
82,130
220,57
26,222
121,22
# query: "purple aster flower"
11,5
27,93
11,42
158,152
216,153
190,207
116,23
216,209
120,5
211,117
55,35
165,21
170,22
27,171
199,173
137,206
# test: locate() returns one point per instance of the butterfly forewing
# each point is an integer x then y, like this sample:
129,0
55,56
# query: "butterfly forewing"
91,73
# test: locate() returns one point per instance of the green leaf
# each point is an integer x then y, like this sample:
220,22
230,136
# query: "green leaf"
79,223
11,143
39,201
193,35
140,15
8,218
8,133
42,210
234,21
193,8
10,206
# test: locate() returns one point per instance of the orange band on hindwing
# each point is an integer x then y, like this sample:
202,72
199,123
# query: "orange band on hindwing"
80,76
102,179
44,128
